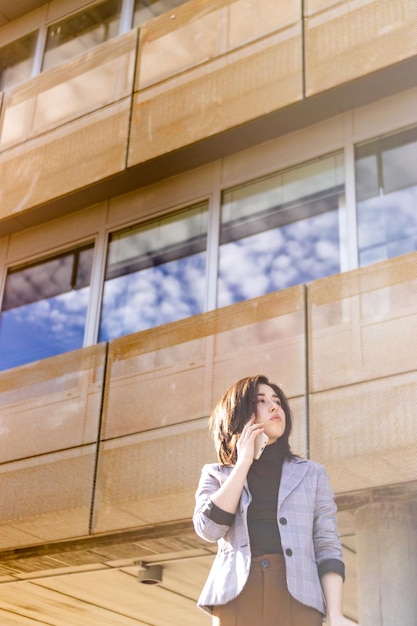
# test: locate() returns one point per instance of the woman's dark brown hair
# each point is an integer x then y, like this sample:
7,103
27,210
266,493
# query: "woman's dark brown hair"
234,410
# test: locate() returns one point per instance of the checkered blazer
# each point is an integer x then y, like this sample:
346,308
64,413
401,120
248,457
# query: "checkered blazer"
308,538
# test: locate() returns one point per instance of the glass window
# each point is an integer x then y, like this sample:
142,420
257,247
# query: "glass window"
44,308
386,193
80,32
155,273
282,230
147,9
16,60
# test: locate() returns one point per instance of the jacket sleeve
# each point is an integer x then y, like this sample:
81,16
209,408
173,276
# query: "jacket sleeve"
327,544
210,522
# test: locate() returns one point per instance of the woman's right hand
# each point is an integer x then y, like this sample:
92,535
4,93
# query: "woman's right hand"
246,444
227,497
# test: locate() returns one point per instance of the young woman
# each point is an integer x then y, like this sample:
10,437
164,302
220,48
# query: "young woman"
279,559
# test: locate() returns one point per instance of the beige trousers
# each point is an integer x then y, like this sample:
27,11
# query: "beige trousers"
265,600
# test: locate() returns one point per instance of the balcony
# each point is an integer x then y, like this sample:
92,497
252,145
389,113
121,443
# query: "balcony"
112,438
209,79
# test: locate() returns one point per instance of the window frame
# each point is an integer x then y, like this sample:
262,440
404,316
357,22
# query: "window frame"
299,203
376,146
12,266
165,212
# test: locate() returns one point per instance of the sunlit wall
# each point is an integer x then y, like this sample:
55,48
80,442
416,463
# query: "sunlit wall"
342,348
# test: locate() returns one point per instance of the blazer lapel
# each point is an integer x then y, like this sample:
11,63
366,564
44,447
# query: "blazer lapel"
293,471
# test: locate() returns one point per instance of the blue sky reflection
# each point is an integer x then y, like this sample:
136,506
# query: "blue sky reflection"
153,296
387,226
275,259
43,329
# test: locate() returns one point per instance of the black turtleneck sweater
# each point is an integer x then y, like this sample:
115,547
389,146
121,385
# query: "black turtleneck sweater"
264,478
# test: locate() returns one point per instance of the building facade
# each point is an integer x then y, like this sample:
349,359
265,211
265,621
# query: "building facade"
193,192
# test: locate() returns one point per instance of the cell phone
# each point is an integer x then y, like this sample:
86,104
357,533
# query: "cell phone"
260,443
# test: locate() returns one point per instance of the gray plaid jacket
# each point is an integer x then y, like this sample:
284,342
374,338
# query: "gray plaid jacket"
308,538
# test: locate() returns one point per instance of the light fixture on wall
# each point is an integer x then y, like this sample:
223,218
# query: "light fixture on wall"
150,574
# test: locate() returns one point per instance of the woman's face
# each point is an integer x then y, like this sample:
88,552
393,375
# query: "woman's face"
269,412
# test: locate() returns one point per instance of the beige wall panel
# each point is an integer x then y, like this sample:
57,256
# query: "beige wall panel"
262,348
363,323
11,31
298,437
220,95
385,115
315,6
150,478
356,38
59,8
206,353
249,20
90,81
180,39
69,158
52,404
172,192
274,347
138,379
202,30
56,234
46,498
366,434
283,153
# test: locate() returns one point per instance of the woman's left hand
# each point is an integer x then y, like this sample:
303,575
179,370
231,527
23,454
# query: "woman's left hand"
340,620
332,584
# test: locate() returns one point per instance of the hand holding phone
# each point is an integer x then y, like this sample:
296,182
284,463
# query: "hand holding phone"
260,443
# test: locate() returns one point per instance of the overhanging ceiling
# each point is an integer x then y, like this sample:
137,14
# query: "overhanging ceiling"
80,584
10,10
108,594
96,582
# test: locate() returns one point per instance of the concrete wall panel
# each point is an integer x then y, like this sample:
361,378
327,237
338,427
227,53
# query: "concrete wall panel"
219,95
363,324
190,363
366,434
353,39
68,158
46,498
198,31
150,478
53,404
90,82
